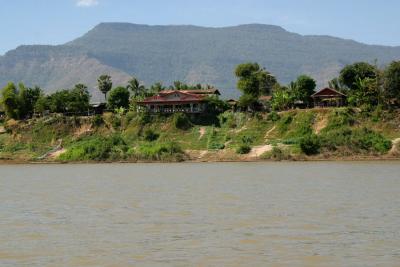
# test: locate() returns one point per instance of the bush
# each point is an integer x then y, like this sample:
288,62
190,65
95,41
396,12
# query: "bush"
181,121
273,116
276,154
310,145
214,141
284,123
243,149
116,122
336,137
164,151
150,135
144,118
97,120
340,118
228,119
368,140
130,115
356,140
97,148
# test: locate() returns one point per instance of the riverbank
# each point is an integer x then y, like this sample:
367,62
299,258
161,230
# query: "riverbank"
340,134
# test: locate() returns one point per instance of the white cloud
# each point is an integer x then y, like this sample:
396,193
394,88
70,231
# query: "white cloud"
86,3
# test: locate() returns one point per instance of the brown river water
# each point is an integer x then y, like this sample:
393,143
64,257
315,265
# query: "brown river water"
212,214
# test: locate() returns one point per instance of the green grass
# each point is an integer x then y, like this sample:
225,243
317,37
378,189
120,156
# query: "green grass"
143,137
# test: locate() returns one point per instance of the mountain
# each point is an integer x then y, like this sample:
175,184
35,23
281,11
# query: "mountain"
188,53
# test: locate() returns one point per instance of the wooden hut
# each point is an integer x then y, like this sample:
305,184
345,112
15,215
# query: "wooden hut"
328,97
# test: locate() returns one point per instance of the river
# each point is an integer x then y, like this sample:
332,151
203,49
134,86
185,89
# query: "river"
211,214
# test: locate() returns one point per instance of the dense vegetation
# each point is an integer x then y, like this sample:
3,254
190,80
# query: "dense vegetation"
297,135
36,123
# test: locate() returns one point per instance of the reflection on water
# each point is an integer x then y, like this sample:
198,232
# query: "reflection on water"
241,214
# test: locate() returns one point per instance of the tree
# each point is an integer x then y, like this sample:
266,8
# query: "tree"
216,105
304,88
105,84
42,104
366,93
266,82
75,100
248,101
27,99
282,99
10,101
392,80
118,98
136,88
58,101
350,74
78,99
156,88
336,84
254,80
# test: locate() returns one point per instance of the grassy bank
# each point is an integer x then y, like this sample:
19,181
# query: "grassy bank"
293,135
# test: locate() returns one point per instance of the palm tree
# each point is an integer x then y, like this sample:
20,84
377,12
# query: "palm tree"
136,88
336,84
105,84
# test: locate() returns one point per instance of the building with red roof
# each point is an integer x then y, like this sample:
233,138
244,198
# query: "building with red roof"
172,101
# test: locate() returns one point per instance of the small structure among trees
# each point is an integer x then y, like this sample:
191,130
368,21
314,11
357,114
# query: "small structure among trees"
328,97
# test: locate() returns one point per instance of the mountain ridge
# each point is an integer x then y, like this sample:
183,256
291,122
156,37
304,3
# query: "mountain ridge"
193,54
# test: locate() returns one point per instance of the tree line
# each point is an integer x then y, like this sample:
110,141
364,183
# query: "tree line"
366,86
21,102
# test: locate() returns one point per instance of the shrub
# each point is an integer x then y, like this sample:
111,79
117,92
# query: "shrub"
144,118
243,149
276,154
181,121
247,140
214,141
97,120
310,145
97,148
340,118
284,123
163,151
116,122
150,135
130,115
368,140
336,137
273,116
228,119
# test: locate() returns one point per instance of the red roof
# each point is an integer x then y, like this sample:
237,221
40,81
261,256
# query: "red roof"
327,92
195,91
171,97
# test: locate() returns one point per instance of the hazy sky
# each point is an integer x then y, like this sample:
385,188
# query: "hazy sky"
59,21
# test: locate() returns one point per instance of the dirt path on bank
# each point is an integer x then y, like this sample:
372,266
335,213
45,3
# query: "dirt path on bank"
395,149
202,132
257,151
320,123
269,132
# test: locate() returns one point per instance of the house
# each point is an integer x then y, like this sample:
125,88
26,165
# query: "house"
328,97
264,102
98,108
172,101
233,104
